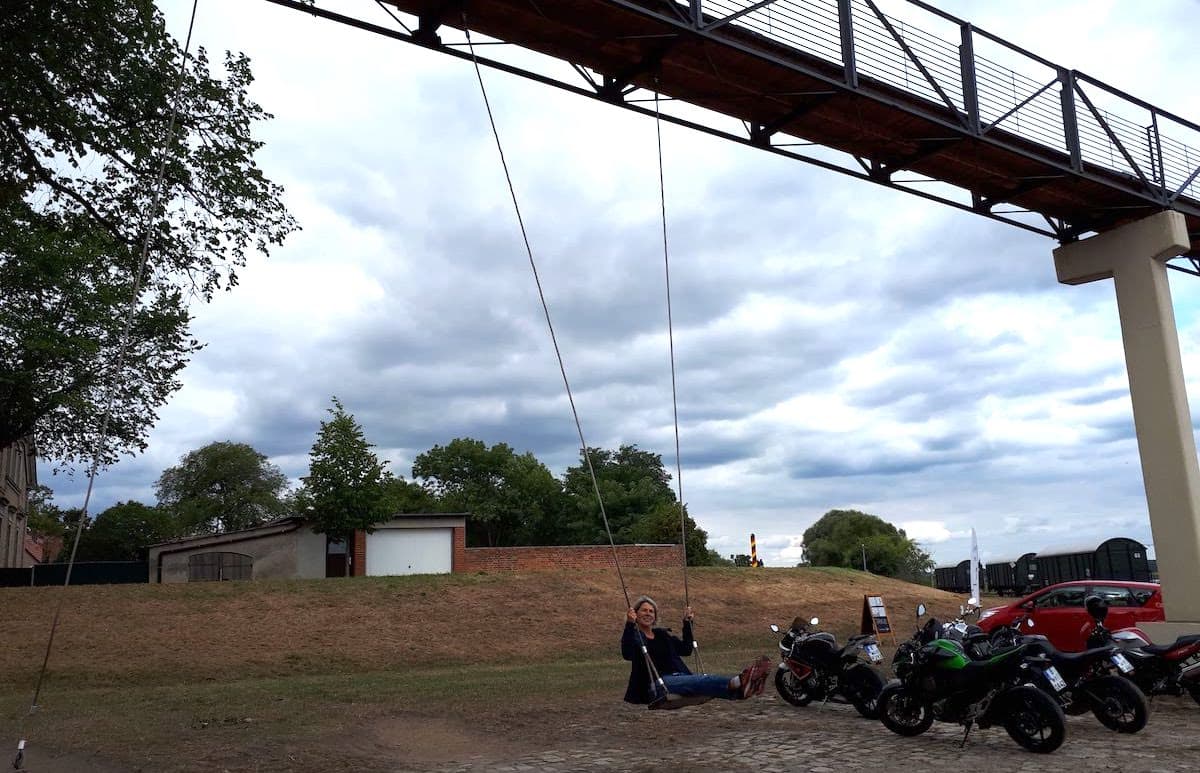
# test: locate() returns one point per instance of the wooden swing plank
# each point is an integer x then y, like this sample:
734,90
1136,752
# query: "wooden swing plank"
678,702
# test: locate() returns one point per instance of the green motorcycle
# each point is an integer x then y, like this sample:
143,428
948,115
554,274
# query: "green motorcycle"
935,680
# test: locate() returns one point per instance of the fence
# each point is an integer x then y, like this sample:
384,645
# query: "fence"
84,573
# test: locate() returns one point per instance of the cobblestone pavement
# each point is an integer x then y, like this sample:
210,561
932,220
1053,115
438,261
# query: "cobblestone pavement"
768,736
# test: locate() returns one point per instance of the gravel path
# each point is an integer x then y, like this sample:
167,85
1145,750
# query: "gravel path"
768,736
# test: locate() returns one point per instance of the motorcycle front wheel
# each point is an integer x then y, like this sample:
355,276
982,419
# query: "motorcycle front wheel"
791,688
861,685
1034,719
1118,704
904,712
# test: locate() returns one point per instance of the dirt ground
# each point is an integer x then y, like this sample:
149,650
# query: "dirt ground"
763,734
451,673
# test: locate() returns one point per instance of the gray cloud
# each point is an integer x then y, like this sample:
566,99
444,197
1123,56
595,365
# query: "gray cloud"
837,344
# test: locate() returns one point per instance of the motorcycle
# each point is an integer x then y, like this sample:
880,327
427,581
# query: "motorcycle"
1097,679
1168,669
936,680
813,667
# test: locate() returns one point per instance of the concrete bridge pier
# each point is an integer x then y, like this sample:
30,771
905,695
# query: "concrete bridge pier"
1135,256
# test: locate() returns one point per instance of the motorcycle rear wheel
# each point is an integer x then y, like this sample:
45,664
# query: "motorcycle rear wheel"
1118,704
904,712
791,688
861,685
1034,719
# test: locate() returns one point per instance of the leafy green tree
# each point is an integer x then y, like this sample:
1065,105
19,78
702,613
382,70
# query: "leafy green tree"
88,89
124,532
632,484
842,537
52,525
347,487
510,498
45,519
405,496
224,486
661,526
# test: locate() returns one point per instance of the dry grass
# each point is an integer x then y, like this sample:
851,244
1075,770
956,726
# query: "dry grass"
180,677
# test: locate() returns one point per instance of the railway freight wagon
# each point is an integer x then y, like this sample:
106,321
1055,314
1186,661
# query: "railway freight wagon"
1062,564
956,579
946,578
1121,558
1012,576
1001,576
1118,558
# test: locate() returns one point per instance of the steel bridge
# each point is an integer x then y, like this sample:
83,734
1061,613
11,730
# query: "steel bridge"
917,100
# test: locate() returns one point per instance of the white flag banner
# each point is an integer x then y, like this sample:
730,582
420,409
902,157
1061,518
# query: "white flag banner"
974,566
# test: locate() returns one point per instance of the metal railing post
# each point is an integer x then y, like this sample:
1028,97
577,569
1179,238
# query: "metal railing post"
1156,154
1070,124
966,63
846,30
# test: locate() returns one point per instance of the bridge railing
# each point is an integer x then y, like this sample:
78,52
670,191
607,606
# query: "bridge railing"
992,85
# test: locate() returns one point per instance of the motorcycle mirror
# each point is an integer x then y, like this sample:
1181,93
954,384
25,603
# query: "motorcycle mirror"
1029,622
774,628
920,610
972,602
814,621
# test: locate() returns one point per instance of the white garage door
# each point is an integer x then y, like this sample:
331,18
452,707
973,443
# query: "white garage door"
409,551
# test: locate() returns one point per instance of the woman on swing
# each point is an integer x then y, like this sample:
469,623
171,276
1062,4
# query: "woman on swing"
667,653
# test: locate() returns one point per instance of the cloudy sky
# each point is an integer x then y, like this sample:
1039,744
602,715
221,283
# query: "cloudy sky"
838,344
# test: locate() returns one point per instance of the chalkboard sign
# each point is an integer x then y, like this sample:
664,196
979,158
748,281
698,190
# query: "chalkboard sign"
875,617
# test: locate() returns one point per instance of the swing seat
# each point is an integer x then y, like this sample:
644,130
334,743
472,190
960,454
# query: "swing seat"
671,701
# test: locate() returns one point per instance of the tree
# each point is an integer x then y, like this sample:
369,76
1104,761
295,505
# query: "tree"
88,90
223,486
49,524
510,498
347,487
124,532
632,484
45,519
843,537
406,496
661,526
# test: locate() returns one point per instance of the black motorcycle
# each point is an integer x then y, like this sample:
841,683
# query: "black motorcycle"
936,680
1096,679
814,667
1167,669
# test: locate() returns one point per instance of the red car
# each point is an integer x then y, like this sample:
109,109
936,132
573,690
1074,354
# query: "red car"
1057,611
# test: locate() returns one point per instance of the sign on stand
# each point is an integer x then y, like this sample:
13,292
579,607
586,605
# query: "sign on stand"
875,618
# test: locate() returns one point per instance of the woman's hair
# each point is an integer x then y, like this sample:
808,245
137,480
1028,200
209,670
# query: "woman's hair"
646,600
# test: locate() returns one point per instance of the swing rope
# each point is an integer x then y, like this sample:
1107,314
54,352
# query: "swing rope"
662,198
98,445
562,368
657,686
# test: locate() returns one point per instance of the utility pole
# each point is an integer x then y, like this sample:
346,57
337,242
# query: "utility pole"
864,549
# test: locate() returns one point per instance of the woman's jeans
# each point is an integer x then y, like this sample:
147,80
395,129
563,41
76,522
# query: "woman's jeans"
712,685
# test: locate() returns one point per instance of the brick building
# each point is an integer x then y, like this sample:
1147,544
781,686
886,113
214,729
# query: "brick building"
428,543
18,474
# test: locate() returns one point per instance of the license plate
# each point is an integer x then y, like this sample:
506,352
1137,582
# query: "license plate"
874,654
1122,663
1055,679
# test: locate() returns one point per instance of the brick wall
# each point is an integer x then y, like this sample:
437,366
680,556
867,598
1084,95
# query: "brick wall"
458,551
358,547
533,559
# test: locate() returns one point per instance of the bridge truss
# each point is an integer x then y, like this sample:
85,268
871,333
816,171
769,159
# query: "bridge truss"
914,99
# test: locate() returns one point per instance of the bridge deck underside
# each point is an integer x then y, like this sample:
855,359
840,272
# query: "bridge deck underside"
751,78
